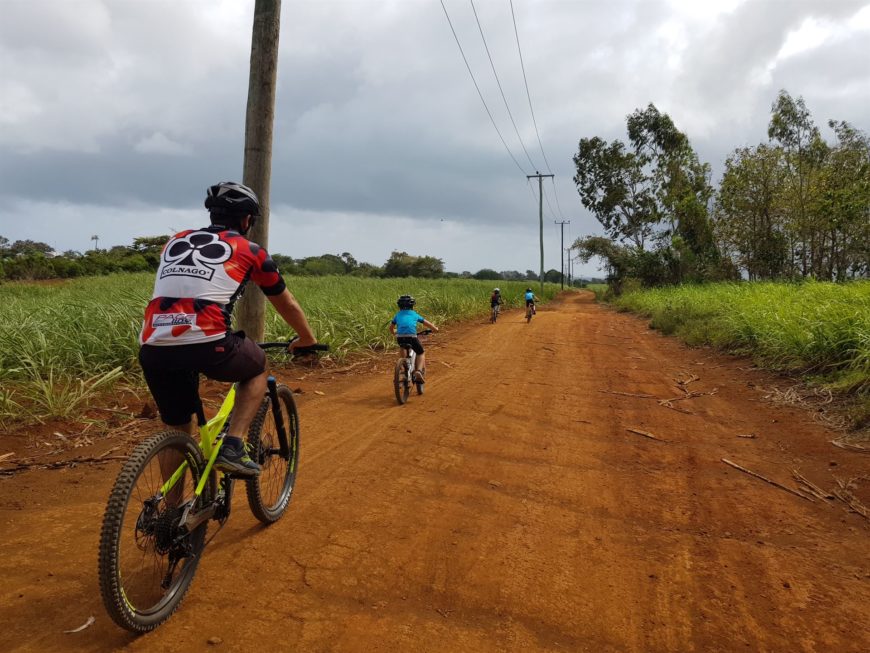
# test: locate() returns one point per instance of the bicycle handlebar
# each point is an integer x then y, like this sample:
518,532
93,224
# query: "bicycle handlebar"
298,351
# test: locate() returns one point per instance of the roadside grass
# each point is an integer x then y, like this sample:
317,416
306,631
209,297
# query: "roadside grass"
818,330
600,290
62,345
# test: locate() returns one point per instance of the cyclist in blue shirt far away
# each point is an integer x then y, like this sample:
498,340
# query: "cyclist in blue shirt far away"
404,327
530,300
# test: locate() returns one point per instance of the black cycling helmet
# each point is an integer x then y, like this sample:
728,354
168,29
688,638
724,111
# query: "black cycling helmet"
406,302
229,202
529,290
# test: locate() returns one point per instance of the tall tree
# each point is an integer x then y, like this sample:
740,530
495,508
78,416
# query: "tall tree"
656,179
845,203
792,128
613,186
748,216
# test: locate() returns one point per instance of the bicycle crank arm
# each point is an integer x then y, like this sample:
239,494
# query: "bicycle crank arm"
192,520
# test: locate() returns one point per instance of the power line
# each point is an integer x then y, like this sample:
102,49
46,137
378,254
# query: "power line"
556,195
526,82
488,112
532,110
498,82
549,206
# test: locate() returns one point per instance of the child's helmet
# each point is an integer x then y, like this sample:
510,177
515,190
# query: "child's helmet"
528,290
496,291
406,301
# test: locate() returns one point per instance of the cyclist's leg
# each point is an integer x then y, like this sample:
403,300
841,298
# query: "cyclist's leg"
249,396
175,391
241,361
420,360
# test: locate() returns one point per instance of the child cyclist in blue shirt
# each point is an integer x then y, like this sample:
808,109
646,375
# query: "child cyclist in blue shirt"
404,327
530,300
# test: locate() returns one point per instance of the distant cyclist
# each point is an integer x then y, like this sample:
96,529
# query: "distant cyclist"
495,302
530,301
404,327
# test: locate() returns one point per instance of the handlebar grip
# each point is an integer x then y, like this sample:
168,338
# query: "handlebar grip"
302,351
298,350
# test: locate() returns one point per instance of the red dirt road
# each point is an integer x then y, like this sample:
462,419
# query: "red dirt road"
508,509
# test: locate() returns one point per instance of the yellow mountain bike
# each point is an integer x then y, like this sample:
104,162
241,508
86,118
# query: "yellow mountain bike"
154,527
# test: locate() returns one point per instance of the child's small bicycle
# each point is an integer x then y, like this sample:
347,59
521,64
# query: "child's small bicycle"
404,372
155,523
495,311
530,312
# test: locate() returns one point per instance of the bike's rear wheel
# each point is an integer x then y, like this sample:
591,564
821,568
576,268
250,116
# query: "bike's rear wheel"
401,384
271,491
147,561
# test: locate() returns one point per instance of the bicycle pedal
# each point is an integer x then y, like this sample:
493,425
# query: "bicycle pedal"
241,477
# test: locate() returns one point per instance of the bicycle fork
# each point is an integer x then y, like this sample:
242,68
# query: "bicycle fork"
283,441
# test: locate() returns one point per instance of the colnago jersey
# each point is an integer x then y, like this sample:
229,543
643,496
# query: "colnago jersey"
202,273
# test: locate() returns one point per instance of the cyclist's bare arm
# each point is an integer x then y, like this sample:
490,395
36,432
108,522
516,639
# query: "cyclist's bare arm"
429,325
392,328
289,309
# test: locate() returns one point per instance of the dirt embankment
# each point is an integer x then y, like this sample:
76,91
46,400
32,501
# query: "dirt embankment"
518,505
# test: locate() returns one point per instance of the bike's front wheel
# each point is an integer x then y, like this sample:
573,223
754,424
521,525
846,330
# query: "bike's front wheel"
147,559
271,491
401,384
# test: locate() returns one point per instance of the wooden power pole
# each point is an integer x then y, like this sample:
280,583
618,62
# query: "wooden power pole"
259,120
540,218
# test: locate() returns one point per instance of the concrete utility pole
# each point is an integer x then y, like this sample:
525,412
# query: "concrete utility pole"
570,267
541,218
562,249
260,117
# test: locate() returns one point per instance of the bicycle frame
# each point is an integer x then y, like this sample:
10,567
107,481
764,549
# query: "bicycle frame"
411,356
210,440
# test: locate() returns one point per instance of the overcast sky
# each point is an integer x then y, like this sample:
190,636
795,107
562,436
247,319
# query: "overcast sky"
115,115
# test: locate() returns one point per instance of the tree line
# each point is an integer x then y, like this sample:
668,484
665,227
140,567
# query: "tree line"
796,206
29,260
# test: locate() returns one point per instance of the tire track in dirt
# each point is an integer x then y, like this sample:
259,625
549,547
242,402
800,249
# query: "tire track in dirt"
508,508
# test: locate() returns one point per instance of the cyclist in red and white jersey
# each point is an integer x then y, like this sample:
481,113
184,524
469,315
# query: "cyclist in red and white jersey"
187,326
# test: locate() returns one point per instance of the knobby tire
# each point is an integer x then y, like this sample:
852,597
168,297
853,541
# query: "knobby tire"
118,600
401,385
271,491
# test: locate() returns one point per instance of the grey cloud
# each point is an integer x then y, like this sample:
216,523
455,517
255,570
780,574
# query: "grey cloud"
376,116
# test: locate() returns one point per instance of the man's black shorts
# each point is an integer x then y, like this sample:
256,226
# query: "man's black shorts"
172,372
411,341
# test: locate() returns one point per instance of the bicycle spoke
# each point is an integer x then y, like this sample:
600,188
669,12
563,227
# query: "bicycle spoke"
270,492
147,559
